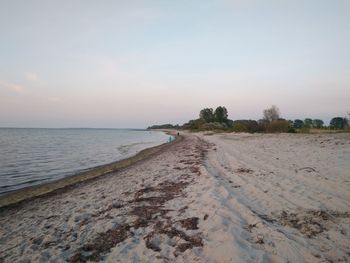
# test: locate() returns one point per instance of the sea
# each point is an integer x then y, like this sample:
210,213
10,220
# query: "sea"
34,156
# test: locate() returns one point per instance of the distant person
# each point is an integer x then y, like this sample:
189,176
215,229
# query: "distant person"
178,134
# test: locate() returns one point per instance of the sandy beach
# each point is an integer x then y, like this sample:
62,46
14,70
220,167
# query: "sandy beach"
205,198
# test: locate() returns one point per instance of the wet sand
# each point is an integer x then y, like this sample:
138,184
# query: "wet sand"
217,198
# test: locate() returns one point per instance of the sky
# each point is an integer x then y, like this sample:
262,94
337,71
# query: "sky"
121,64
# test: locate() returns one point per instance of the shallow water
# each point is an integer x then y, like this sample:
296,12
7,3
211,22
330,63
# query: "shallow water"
33,156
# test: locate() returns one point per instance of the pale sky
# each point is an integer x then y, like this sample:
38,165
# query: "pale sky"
136,63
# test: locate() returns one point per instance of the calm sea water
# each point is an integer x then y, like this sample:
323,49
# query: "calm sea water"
33,156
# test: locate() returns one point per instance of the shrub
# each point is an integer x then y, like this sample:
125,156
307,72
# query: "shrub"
305,130
262,124
213,126
245,126
278,126
194,124
239,127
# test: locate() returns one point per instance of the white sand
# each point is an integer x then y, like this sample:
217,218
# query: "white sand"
257,177
250,198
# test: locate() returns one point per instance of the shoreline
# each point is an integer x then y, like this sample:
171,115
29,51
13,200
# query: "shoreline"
31,192
218,198
100,219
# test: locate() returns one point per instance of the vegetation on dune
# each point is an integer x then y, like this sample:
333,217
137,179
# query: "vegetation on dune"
246,126
339,123
271,122
164,126
210,120
317,123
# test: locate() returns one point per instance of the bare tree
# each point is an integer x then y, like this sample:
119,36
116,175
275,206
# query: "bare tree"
272,114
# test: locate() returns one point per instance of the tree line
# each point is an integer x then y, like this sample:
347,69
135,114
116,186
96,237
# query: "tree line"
210,119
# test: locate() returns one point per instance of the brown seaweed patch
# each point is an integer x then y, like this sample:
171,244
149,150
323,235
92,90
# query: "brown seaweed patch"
244,170
143,191
195,170
102,244
250,227
187,241
145,216
190,241
152,199
310,222
148,213
189,223
183,209
114,205
147,208
308,169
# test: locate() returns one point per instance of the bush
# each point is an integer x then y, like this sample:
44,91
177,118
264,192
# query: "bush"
245,126
262,125
278,126
291,129
305,130
213,126
194,124
238,127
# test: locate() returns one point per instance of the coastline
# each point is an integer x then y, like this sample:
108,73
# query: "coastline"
30,192
150,198
218,198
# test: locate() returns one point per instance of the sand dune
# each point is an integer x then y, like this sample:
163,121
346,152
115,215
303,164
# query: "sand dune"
217,198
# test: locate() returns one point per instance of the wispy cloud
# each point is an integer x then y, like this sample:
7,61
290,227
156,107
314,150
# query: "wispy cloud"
12,86
32,77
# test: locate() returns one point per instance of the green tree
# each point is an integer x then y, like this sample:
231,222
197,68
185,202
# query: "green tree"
338,123
308,123
298,124
207,114
221,114
317,123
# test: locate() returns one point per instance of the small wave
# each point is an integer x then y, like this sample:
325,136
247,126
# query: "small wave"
18,185
35,156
